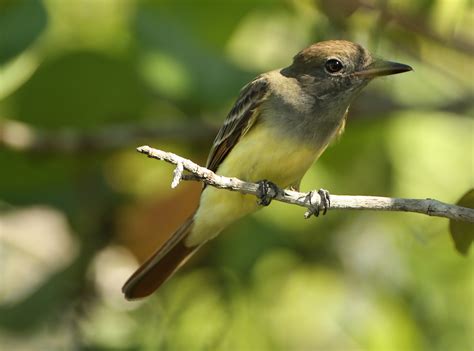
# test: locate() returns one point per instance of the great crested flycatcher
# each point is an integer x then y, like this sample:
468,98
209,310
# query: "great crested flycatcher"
280,124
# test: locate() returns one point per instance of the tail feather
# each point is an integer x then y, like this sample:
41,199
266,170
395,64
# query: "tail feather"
161,265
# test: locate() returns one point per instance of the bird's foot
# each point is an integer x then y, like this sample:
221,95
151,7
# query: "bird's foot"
324,204
294,188
267,191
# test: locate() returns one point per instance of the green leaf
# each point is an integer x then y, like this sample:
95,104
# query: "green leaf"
83,90
21,22
463,232
211,77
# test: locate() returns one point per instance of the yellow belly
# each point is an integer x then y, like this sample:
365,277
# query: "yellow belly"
260,154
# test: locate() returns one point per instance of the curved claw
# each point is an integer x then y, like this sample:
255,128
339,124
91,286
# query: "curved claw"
267,191
325,200
324,204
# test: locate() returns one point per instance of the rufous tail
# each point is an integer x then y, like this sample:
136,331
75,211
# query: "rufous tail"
161,265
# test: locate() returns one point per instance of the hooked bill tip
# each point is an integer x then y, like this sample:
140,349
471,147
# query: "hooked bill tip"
383,68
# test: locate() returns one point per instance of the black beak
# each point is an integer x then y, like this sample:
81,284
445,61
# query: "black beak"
382,68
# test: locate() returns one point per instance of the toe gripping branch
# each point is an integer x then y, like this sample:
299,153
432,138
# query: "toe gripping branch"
324,204
267,191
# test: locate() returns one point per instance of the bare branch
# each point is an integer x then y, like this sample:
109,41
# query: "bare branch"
177,175
309,200
418,25
24,137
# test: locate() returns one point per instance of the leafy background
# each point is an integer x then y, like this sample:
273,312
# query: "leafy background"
83,82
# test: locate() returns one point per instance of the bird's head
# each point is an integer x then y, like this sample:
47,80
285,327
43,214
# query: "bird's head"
339,68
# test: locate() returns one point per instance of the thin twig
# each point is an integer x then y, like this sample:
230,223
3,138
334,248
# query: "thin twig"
428,207
419,26
27,138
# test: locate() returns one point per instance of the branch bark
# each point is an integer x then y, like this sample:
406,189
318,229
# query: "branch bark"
311,199
24,137
28,138
419,26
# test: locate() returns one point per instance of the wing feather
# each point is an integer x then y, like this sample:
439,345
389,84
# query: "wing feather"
240,119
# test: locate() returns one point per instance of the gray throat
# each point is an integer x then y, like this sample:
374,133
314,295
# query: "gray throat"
307,117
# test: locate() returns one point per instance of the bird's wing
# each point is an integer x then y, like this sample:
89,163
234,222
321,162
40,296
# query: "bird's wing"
240,119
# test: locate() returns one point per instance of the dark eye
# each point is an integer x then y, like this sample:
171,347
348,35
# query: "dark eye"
333,65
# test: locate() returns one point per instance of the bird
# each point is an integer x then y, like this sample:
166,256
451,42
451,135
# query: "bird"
280,124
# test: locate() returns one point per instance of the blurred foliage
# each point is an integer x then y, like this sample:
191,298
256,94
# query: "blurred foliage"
462,232
77,212
21,22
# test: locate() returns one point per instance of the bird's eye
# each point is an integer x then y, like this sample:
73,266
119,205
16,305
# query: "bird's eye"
333,65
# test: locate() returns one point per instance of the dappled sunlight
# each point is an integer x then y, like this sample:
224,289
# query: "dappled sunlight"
17,72
430,154
110,268
35,242
83,83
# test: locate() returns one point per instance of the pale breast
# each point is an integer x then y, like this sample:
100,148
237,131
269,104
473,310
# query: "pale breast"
261,154
265,153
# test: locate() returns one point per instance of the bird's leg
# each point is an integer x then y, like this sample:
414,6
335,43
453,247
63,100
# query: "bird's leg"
323,205
267,191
